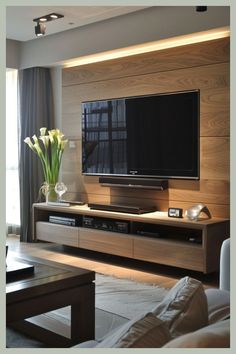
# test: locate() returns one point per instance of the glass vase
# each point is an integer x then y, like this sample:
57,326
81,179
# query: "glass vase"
51,195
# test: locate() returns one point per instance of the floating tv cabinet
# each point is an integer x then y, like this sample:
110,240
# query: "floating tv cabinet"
152,237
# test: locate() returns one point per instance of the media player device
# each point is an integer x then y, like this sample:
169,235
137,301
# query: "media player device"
63,220
105,224
132,209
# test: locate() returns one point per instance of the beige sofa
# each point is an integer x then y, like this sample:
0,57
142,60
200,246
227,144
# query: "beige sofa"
188,317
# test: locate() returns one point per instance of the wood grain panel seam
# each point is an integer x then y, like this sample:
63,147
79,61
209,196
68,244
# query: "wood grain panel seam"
214,136
143,74
187,201
148,198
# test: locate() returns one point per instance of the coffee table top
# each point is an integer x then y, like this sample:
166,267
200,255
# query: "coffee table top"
48,276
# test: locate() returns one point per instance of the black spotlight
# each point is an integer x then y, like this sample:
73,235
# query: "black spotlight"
40,29
201,8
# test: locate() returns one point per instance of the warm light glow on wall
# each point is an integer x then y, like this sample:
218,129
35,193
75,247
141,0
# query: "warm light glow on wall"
150,47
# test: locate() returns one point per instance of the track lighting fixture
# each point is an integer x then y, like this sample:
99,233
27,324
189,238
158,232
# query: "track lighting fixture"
201,8
41,27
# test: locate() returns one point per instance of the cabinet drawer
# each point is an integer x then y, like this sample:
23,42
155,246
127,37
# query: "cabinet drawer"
107,242
169,253
65,235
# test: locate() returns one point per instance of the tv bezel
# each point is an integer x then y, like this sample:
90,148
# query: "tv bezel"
197,177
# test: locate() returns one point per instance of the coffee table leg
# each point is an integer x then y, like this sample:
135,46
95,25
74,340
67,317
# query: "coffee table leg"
83,316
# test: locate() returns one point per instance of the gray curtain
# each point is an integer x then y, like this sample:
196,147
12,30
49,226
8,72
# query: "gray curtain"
35,111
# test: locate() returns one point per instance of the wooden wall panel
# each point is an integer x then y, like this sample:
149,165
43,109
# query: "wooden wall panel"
211,191
215,112
214,158
203,66
199,54
71,165
204,77
211,80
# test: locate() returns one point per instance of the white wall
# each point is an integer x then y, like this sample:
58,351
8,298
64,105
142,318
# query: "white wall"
135,28
13,54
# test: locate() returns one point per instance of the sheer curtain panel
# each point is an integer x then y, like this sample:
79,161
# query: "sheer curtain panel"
12,178
35,111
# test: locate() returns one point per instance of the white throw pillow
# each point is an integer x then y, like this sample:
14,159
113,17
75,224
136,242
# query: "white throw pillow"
184,308
216,335
146,331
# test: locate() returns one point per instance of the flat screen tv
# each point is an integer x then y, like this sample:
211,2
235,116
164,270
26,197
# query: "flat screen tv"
143,136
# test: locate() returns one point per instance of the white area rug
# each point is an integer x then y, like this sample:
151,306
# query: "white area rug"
125,297
117,300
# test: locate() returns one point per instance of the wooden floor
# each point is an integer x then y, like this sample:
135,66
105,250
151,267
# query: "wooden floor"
119,267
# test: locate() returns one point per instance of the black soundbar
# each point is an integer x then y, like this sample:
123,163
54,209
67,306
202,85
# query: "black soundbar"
147,183
132,209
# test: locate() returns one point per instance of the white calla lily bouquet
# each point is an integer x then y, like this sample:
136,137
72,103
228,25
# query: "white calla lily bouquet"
49,148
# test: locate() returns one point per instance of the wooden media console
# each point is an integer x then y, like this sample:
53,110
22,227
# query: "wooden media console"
152,237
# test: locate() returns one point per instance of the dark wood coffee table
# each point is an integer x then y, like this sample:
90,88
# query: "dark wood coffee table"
52,286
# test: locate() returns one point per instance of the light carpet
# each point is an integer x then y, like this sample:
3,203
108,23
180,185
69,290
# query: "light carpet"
117,300
125,297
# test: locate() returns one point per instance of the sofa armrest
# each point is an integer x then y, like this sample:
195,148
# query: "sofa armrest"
218,304
225,265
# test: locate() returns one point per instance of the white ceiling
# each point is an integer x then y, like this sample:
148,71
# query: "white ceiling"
20,25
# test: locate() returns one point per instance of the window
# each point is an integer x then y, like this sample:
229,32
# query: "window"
12,180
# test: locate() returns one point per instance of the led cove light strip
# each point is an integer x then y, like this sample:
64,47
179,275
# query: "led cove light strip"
150,47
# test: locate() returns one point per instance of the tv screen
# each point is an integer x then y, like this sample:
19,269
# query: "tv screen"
144,136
